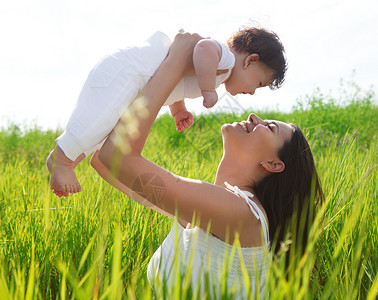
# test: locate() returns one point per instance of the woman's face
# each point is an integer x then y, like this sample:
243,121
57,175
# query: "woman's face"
255,139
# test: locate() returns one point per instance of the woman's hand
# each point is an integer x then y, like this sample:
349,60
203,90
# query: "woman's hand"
181,51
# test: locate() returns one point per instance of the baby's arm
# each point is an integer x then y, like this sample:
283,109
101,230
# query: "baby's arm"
206,56
183,118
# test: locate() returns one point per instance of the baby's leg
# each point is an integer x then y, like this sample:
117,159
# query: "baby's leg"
110,87
62,176
107,92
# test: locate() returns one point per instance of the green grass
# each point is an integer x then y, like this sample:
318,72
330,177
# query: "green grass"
97,244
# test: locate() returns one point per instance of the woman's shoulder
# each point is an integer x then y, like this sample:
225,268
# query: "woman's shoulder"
252,232
251,199
253,218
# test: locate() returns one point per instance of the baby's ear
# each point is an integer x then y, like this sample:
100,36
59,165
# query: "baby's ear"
251,59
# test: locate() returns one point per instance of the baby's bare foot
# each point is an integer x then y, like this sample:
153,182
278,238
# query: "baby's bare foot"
63,179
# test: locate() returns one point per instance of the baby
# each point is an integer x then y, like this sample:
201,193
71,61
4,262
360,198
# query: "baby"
252,58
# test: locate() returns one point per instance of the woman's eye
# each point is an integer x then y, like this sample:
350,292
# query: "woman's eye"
270,127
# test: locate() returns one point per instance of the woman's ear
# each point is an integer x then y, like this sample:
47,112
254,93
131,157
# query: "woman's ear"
220,72
273,166
251,59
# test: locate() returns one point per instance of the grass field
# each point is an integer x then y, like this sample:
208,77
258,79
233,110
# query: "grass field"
96,244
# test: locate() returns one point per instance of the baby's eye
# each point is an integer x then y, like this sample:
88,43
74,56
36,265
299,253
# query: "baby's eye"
260,83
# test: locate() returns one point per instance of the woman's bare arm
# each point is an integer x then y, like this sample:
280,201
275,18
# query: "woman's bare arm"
213,204
105,174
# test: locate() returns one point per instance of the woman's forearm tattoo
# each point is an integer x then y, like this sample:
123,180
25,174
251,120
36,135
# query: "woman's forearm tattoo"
150,186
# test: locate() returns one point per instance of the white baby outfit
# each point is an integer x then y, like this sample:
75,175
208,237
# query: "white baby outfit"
203,257
114,83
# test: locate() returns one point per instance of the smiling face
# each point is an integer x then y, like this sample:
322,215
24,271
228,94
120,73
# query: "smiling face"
248,75
255,140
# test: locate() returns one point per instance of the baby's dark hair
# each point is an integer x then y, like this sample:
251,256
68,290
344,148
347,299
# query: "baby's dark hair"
267,45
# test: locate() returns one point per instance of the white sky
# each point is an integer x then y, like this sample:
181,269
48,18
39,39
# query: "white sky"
49,46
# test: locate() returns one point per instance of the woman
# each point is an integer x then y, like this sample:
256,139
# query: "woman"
266,172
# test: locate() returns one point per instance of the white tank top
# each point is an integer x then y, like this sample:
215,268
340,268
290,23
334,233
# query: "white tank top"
203,258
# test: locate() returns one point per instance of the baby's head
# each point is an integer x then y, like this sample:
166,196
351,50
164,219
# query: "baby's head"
267,45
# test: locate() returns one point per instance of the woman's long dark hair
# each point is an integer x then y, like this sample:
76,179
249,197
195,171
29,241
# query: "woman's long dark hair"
290,198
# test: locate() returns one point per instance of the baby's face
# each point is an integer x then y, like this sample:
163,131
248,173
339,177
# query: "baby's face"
247,77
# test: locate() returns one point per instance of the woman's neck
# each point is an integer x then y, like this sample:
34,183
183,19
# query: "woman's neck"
242,176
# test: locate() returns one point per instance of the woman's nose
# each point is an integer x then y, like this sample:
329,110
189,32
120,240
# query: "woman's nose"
255,119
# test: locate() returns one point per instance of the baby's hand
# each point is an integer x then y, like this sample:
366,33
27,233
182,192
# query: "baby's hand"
209,98
183,120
